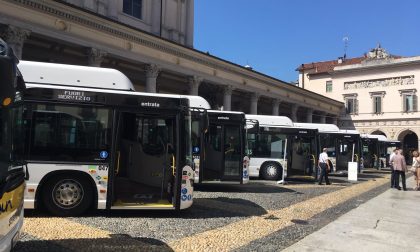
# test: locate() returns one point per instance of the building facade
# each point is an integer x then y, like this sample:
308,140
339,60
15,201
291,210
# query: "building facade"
107,33
379,91
169,19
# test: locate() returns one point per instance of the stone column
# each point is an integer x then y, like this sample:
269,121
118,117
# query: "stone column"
194,82
95,57
322,117
294,110
152,72
189,34
309,114
15,37
276,104
227,98
254,103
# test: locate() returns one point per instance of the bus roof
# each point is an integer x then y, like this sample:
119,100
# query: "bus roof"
226,112
269,120
72,75
321,127
197,101
355,132
194,101
56,75
379,137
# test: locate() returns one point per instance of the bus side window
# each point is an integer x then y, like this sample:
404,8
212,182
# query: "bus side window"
43,130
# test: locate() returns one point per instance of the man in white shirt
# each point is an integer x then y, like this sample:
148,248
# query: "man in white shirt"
325,166
392,168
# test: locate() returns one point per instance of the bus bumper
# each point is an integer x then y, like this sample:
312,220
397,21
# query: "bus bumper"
10,239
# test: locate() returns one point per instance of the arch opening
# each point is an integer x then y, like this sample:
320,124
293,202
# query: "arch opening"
409,143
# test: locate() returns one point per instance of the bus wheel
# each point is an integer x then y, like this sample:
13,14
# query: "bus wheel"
271,171
67,195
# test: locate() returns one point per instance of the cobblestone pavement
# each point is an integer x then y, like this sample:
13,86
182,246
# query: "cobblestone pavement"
258,216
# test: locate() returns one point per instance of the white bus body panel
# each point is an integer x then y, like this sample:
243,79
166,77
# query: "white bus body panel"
255,164
321,127
72,75
197,101
187,187
271,121
38,171
379,137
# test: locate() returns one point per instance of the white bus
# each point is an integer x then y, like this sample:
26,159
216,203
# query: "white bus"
279,149
342,145
376,149
220,152
92,142
12,173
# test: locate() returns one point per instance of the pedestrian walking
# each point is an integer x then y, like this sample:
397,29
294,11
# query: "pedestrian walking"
325,167
400,167
392,168
415,169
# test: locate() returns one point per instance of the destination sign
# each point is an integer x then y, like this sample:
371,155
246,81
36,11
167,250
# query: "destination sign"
70,95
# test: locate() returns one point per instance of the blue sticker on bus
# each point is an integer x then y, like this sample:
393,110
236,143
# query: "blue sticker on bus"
103,154
184,197
184,190
196,149
189,197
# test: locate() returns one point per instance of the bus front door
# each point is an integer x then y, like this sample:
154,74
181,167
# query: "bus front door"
145,163
223,154
301,159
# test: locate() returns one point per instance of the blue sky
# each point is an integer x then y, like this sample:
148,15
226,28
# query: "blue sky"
276,36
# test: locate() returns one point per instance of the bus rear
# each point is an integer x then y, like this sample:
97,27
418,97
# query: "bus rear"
12,176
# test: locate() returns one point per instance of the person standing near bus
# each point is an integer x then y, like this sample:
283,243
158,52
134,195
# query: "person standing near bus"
392,168
400,168
415,169
325,166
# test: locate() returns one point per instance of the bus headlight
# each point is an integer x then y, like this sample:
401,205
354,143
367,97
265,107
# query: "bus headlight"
7,101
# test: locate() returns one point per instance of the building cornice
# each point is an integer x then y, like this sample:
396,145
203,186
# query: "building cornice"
376,64
65,14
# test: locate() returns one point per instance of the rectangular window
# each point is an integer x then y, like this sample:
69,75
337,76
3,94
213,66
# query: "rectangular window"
409,103
328,86
351,105
269,145
133,8
68,133
377,104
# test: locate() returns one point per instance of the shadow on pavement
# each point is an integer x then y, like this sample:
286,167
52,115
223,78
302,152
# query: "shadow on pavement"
202,208
253,187
116,242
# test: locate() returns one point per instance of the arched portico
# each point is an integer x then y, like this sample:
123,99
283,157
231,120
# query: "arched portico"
409,142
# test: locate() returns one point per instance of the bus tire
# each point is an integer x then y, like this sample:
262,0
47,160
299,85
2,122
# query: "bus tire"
271,171
67,195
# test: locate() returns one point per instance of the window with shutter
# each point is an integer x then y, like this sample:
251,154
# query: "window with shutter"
356,106
409,100
404,103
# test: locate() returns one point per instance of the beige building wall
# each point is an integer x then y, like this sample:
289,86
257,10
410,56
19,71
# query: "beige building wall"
379,75
173,20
